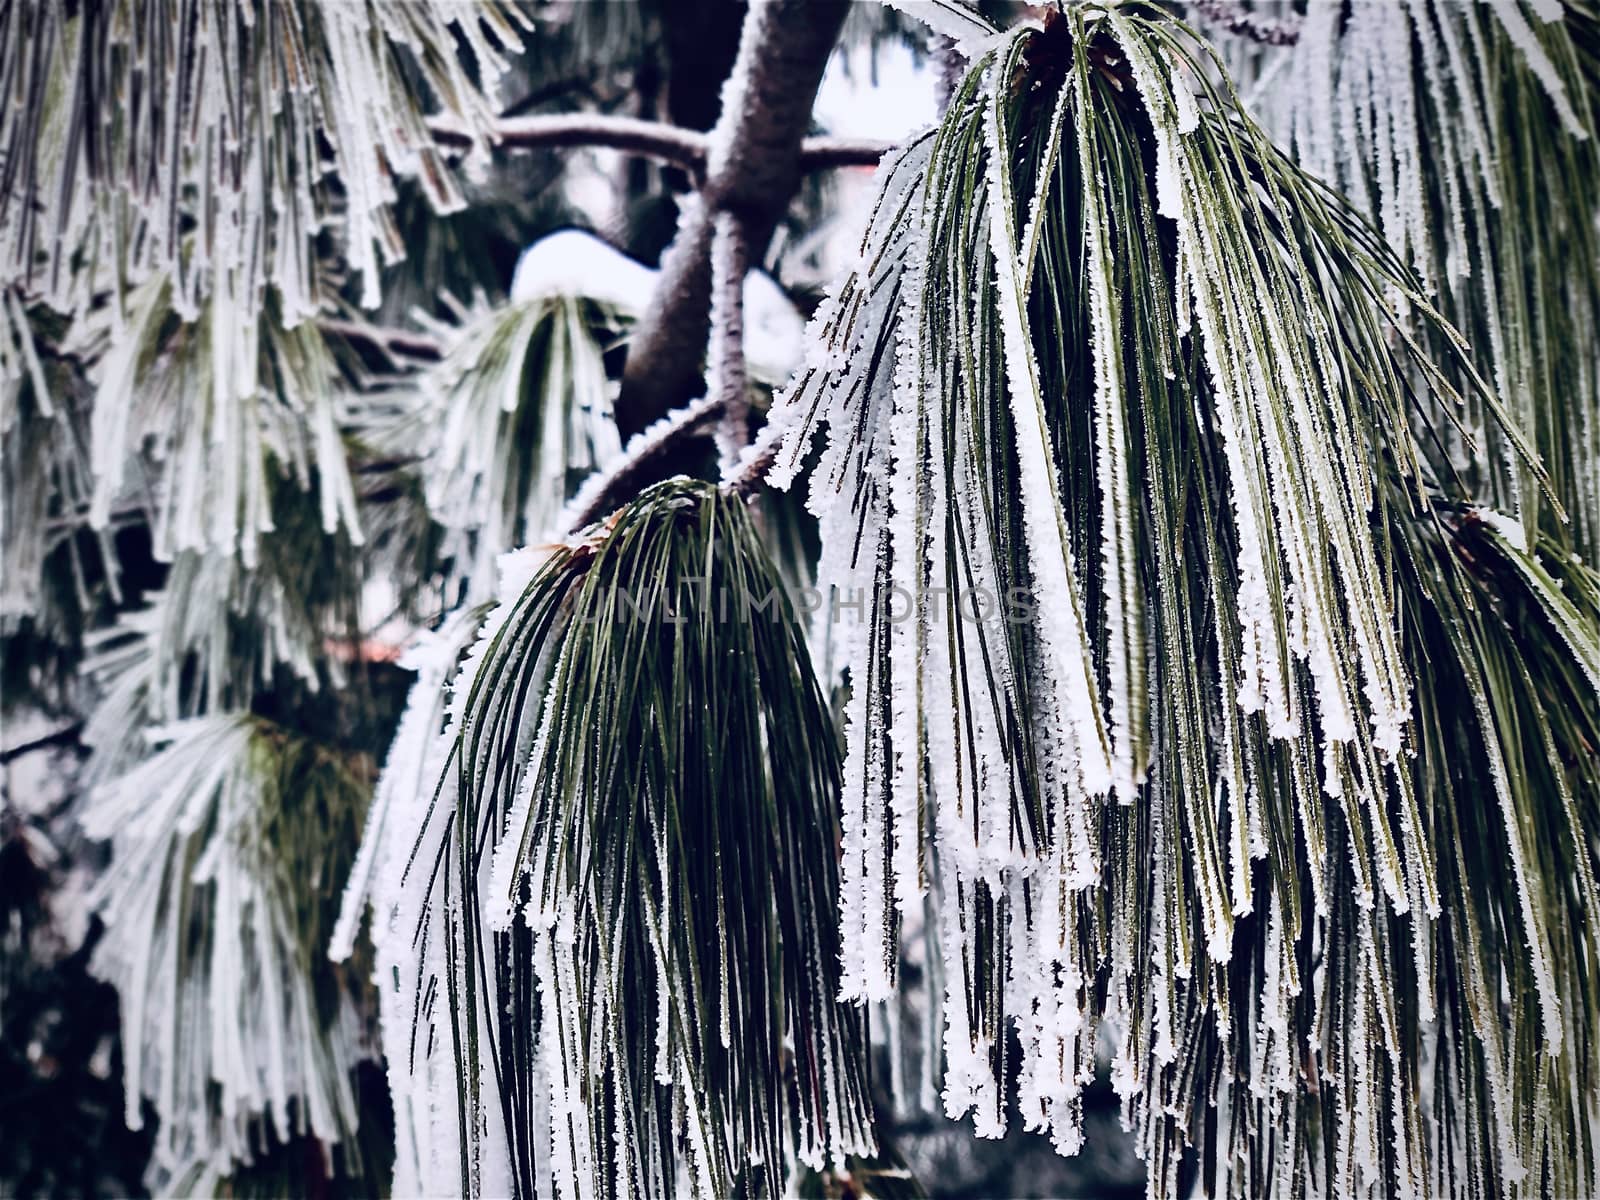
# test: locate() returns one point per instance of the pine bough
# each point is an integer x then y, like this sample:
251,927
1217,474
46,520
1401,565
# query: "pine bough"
229,844
1198,705
603,896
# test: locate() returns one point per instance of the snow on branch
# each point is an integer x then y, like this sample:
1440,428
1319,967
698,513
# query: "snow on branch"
622,477
726,377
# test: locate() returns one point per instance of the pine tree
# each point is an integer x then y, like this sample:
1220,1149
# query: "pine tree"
561,722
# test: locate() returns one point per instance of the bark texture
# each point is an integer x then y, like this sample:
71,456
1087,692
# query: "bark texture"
752,170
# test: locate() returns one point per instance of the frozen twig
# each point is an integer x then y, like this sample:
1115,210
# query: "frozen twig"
725,375
751,469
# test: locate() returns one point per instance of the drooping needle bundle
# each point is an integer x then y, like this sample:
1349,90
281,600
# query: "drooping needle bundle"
612,923
1190,705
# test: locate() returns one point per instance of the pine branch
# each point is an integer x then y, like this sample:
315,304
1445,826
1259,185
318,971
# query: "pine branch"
656,140
1352,740
659,663
752,168
242,829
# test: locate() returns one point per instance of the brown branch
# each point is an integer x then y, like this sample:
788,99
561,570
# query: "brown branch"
827,153
649,139
404,342
655,140
619,481
751,471
783,49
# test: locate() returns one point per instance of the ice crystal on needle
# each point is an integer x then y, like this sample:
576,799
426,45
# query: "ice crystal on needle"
228,845
173,165
1121,461
1443,121
134,141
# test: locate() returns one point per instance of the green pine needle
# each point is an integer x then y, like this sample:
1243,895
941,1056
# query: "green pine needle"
644,983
